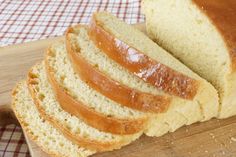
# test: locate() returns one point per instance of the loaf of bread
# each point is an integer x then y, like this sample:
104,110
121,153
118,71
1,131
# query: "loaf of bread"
104,87
73,128
202,34
39,129
86,46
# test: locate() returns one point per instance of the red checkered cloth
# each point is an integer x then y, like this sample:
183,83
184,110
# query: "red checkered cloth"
27,20
12,142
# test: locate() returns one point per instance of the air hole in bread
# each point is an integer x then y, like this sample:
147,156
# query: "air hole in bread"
109,116
33,81
66,89
64,61
131,113
62,78
61,144
199,21
96,66
36,88
52,54
46,143
78,131
41,96
68,127
32,75
26,124
85,135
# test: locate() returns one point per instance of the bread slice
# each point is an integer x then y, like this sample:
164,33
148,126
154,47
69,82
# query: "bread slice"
202,35
72,127
85,102
180,112
41,131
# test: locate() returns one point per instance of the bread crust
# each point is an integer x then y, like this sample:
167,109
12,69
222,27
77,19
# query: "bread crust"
89,115
145,68
112,89
25,126
98,146
222,14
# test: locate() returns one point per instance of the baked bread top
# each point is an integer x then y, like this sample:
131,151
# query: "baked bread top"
223,16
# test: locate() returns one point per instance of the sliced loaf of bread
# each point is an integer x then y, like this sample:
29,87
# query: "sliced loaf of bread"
40,130
72,127
202,34
180,112
77,98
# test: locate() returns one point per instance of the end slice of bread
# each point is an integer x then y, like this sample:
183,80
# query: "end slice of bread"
40,130
77,98
72,127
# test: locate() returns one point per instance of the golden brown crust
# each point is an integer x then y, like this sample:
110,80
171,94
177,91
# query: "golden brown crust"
89,115
142,66
98,146
223,16
25,126
110,88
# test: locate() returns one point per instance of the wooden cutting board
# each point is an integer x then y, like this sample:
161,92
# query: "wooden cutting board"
215,138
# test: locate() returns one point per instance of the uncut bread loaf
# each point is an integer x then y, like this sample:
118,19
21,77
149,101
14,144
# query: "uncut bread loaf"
182,111
77,98
72,127
202,34
40,130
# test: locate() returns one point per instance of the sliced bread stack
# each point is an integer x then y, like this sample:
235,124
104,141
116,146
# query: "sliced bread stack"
104,87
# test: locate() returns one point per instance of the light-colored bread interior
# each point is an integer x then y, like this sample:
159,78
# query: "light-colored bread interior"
181,111
41,131
184,30
74,128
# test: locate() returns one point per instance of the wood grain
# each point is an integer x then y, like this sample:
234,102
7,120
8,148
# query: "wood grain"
15,62
215,138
